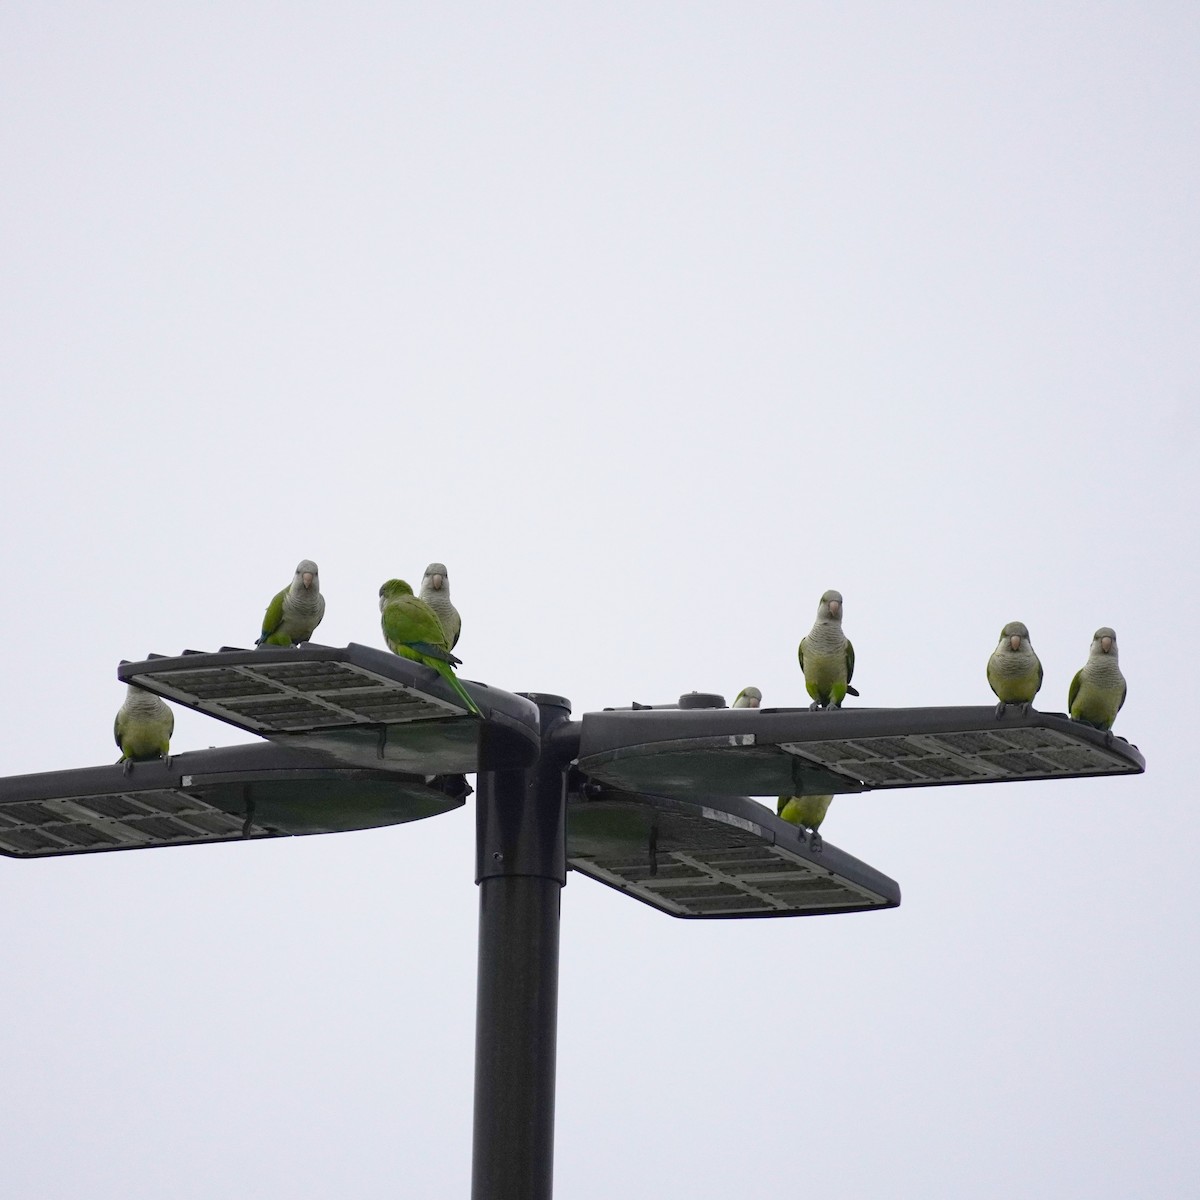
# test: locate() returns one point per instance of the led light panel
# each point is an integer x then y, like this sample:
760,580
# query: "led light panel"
977,756
777,752
229,794
361,706
256,691
117,821
725,858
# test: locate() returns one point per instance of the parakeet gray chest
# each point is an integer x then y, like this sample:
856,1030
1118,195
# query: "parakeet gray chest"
303,605
1014,664
825,638
446,613
1102,671
143,704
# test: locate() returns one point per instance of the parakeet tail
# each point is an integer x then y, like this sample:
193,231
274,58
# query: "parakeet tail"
851,691
448,675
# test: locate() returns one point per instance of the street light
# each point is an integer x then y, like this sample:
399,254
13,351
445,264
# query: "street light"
790,751
225,795
651,801
363,706
714,856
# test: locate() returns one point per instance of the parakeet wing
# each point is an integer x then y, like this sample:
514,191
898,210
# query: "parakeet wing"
438,652
273,617
850,662
800,652
117,731
1074,690
781,804
1040,674
410,620
1124,693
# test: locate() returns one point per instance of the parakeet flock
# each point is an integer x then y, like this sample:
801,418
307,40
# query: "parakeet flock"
1014,673
423,628
426,629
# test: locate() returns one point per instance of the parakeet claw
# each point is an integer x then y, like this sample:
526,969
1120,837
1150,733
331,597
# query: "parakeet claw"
815,842
127,767
1000,709
814,706
1025,708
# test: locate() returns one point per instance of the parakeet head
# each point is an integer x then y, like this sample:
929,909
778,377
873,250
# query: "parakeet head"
1104,641
392,590
1012,635
830,606
749,697
436,577
306,574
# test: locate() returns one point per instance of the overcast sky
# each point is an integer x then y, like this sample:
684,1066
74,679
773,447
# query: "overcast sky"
652,322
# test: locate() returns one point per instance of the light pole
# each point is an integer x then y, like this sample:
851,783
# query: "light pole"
649,801
521,868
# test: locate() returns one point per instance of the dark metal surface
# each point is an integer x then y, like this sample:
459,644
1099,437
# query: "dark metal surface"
715,857
516,1037
776,752
366,707
521,867
208,796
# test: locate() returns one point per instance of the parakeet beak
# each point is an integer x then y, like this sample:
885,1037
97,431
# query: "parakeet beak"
1106,644
1015,641
834,607
307,579
437,581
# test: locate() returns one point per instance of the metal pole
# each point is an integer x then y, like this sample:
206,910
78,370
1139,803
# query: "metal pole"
521,868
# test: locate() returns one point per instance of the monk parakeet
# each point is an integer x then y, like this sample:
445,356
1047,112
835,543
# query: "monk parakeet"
1098,689
435,591
1014,670
411,629
143,727
748,697
826,656
296,611
806,811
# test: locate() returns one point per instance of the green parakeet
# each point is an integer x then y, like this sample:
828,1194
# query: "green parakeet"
1098,689
435,591
143,727
806,811
1014,670
411,628
827,657
294,613
748,697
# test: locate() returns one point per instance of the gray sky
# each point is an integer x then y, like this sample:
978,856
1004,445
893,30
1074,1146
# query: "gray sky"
652,323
